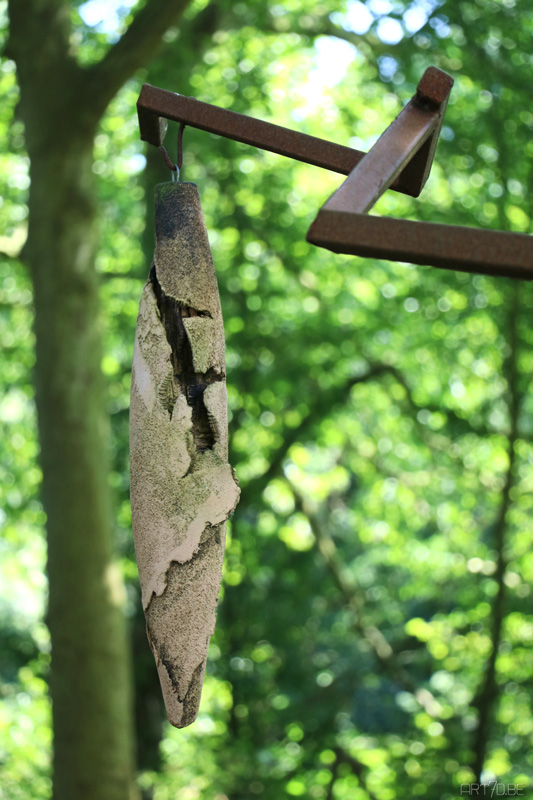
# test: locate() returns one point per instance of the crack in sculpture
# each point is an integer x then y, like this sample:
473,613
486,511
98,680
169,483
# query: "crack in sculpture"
182,488
192,384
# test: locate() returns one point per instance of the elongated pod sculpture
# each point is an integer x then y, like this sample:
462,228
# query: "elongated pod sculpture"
182,487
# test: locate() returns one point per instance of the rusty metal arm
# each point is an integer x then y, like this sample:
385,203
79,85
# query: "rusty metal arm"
155,106
393,151
343,226
401,160
432,244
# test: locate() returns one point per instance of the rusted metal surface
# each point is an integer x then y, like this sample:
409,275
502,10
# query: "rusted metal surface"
343,226
180,145
166,158
434,87
395,148
432,244
153,126
400,160
155,106
265,135
433,91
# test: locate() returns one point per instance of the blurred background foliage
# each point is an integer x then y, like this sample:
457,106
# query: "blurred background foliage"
375,628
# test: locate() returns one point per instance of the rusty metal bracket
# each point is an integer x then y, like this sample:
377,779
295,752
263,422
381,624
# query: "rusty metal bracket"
400,160
155,106
418,124
342,224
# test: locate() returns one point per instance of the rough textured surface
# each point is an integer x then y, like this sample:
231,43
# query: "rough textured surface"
182,488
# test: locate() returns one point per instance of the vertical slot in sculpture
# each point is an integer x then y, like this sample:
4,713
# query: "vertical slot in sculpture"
182,488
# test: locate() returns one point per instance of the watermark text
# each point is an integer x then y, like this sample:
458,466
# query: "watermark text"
493,789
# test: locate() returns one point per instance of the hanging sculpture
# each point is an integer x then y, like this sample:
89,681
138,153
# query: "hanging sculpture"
182,487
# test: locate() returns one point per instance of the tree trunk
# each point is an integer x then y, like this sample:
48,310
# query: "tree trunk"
89,682
61,103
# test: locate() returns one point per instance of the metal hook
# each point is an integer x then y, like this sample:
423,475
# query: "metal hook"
167,160
175,168
180,145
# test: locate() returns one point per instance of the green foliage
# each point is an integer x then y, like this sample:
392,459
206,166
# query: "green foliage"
380,422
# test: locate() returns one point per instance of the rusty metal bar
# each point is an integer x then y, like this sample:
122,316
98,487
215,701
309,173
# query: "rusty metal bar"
343,226
400,160
155,102
432,91
394,149
155,106
432,244
419,122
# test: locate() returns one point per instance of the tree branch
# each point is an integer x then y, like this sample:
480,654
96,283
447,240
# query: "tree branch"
487,694
325,401
10,256
136,47
461,424
42,45
318,25
334,773
357,769
123,276
353,597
